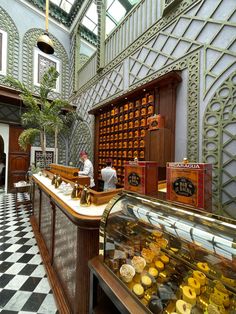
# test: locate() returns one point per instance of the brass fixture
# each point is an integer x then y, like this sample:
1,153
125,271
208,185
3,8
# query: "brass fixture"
44,42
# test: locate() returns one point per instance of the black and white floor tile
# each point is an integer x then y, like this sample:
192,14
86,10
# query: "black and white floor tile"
24,287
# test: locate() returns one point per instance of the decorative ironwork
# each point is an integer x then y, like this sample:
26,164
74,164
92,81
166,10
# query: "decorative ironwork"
7,25
219,142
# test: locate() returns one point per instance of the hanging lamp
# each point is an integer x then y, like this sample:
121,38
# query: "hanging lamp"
44,42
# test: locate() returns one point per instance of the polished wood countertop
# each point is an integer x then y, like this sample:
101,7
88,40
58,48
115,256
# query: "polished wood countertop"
89,221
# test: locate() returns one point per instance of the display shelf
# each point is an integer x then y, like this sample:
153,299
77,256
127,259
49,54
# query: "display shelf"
167,256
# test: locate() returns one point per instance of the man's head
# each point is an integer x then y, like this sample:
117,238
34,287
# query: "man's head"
108,162
83,155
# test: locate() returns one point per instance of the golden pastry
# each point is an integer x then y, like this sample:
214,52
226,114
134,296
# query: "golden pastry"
127,272
189,295
203,266
224,297
153,272
159,265
229,281
183,307
215,300
147,254
211,309
165,259
138,263
174,249
195,284
155,248
146,281
138,290
199,276
157,234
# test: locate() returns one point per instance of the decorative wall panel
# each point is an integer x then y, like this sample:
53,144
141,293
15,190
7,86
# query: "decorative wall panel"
219,143
29,43
7,25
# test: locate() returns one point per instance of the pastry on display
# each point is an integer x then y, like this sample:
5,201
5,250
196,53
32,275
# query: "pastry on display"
183,307
138,290
195,284
203,267
165,259
155,305
127,272
138,263
147,254
166,293
199,276
159,265
216,301
189,295
153,272
155,248
211,309
146,281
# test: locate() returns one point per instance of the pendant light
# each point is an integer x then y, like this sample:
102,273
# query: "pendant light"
44,42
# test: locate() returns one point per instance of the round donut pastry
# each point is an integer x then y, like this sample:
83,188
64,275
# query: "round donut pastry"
195,284
148,255
138,290
189,295
183,307
138,263
211,309
165,259
146,281
127,272
155,305
199,276
203,266
159,265
153,272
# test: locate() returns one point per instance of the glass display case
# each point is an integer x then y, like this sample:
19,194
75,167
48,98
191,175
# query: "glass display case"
171,259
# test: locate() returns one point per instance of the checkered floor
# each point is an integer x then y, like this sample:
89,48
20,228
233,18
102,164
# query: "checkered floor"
24,287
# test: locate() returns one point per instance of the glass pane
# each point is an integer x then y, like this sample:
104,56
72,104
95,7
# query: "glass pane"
109,2
71,1
66,6
92,13
133,2
57,2
88,23
109,25
117,11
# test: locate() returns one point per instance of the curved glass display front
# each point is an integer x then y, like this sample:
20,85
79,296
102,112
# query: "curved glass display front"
172,259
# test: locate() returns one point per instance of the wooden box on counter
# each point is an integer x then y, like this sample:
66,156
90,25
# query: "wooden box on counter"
141,177
67,174
190,183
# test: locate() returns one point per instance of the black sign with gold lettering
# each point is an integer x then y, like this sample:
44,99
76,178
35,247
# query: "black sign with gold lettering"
134,179
183,186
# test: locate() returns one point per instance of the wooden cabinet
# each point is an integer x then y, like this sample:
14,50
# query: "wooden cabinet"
158,146
122,131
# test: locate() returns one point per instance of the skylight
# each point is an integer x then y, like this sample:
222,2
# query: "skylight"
64,4
114,13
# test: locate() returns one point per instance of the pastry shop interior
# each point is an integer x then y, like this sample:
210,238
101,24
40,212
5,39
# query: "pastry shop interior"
118,156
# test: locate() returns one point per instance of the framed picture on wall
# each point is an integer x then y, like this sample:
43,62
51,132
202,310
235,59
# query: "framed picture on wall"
42,62
3,52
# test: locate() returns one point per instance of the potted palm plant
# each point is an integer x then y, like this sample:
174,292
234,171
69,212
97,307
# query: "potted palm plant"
42,116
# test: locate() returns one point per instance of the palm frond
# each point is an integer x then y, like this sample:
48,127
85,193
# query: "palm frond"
27,137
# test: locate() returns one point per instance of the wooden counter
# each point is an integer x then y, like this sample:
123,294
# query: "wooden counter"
67,241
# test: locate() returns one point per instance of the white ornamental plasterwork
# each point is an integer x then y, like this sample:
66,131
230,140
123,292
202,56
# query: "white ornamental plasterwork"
208,24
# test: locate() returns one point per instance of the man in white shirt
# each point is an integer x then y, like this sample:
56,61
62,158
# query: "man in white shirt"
88,168
109,176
